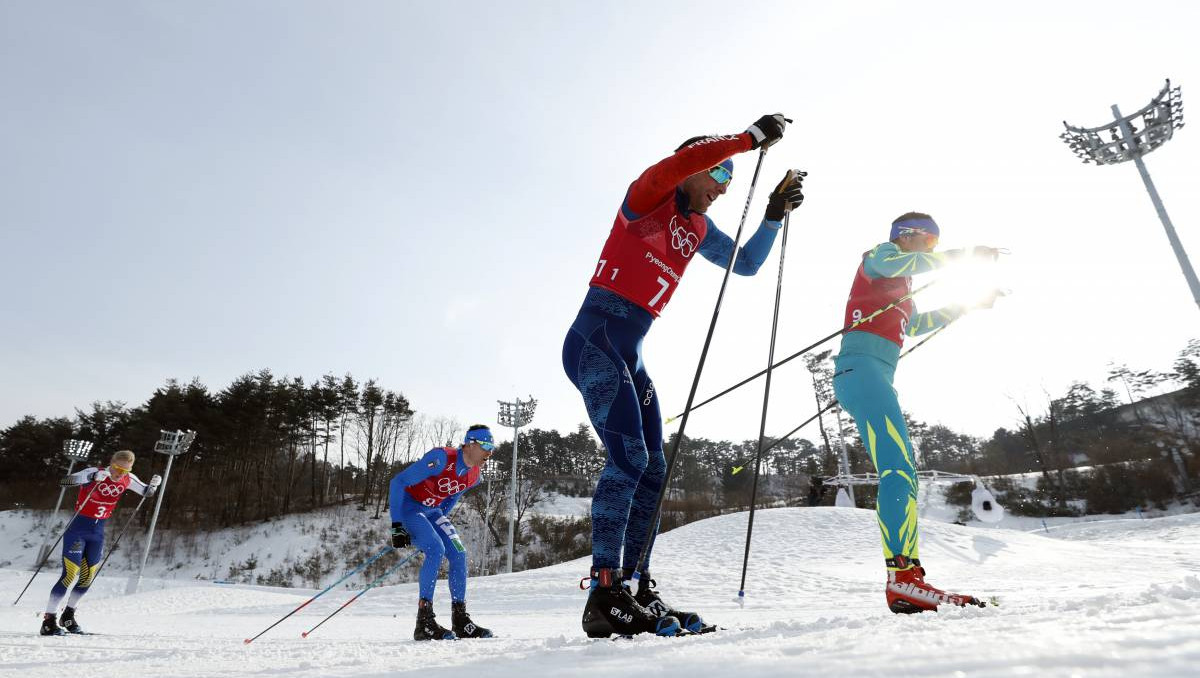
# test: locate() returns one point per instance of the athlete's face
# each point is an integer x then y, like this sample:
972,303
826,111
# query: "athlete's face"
118,468
702,190
475,455
917,242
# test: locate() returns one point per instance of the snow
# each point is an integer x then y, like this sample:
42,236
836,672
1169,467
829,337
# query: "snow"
1111,598
562,506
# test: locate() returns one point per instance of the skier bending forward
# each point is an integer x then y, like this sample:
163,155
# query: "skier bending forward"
83,542
422,496
660,225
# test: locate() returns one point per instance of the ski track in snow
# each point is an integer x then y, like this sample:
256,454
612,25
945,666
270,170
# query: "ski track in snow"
1111,598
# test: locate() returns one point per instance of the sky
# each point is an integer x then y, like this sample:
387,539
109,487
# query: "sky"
418,192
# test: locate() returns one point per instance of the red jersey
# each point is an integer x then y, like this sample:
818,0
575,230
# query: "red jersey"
644,259
104,499
868,295
645,256
435,489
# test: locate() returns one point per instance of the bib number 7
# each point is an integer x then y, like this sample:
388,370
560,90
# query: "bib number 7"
664,285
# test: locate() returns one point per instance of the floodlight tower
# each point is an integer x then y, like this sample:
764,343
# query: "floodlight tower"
75,451
1125,141
172,444
515,414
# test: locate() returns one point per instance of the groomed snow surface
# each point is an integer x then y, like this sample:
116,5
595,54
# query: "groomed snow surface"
1109,598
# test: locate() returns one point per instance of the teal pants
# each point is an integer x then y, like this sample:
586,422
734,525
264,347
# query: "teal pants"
863,386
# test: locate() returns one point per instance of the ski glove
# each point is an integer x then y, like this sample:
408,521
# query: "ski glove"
400,536
152,486
767,130
787,196
100,476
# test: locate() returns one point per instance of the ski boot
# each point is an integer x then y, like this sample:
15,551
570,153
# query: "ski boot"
427,626
463,626
67,621
612,609
648,598
907,592
50,625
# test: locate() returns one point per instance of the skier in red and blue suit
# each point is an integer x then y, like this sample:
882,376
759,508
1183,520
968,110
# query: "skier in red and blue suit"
83,541
660,226
422,497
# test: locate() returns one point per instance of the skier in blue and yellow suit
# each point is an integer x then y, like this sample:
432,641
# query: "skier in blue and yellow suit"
864,371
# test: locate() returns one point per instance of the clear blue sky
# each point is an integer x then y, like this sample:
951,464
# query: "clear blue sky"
417,192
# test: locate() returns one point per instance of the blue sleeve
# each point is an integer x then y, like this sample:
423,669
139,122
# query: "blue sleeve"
924,323
426,467
750,257
889,261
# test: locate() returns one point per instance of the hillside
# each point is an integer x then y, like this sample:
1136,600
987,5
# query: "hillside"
1114,598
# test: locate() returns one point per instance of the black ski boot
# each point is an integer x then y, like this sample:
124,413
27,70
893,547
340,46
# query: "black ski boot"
68,621
427,626
463,626
612,609
648,598
50,625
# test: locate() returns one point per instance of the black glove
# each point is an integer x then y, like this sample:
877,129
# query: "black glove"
767,130
787,196
400,536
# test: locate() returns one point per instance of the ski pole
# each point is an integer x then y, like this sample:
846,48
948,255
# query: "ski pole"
349,574
762,425
358,595
117,541
806,349
834,401
42,563
712,325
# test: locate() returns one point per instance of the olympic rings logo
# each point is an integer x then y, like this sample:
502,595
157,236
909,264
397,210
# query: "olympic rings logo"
448,486
109,490
682,239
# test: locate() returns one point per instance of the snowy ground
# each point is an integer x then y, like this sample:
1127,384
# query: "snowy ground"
1114,598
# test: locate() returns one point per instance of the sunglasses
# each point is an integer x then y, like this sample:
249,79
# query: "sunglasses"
486,445
929,237
720,175
119,468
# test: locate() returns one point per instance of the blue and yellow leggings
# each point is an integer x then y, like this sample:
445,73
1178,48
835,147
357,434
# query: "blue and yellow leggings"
83,548
863,386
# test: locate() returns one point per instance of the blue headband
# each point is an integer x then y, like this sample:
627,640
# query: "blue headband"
927,226
727,163
478,435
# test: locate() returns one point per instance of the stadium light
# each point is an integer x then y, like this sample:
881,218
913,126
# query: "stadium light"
172,444
515,415
1129,138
